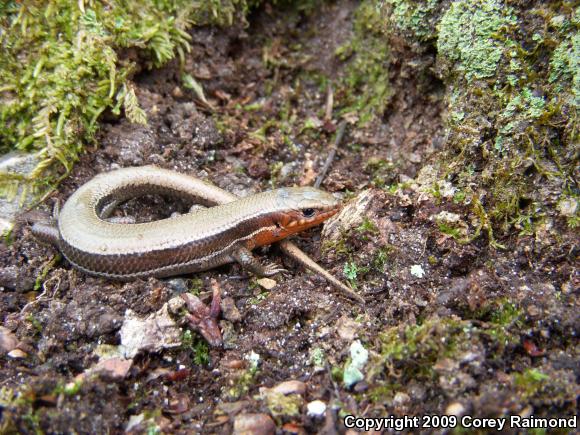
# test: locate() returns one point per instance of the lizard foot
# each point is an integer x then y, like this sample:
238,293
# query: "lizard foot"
271,269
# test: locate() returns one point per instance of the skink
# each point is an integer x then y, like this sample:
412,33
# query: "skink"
193,242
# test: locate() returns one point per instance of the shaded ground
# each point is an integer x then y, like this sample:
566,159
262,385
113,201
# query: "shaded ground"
451,327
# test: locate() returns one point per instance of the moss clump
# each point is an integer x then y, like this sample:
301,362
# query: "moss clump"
565,61
471,36
197,346
61,70
416,348
413,18
545,386
413,351
364,89
513,113
281,405
530,381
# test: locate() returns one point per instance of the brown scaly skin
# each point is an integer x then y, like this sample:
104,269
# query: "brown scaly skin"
197,241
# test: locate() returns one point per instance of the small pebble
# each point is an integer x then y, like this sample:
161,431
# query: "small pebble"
174,305
401,399
267,283
316,408
8,340
177,286
17,353
254,424
290,387
456,408
230,311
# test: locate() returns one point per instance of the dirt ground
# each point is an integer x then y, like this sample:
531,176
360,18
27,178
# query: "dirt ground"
462,329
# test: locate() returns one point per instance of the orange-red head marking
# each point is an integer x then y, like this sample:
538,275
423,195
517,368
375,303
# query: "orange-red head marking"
300,208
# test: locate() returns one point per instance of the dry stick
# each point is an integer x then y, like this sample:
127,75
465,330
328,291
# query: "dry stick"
329,104
331,154
289,248
295,253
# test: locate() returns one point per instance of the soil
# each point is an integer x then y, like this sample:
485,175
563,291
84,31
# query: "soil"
60,323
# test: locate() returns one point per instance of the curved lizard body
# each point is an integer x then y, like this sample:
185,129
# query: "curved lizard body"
192,242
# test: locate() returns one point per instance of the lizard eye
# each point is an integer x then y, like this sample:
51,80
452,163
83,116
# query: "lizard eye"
308,212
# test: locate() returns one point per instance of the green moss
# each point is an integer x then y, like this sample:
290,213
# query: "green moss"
565,66
367,227
381,171
470,36
381,257
545,386
504,320
197,345
45,270
531,382
412,351
351,271
513,113
317,357
61,71
450,230
365,86
422,343
283,405
414,18
242,384
195,286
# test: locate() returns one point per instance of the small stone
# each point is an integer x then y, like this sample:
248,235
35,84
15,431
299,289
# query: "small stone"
177,286
447,217
8,340
174,305
233,408
347,328
293,429
361,387
288,170
417,271
267,283
316,408
177,92
113,368
456,408
254,424
233,364
290,387
417,391
134,422
155,332
401,399
17,353
288,405
568,207
230,311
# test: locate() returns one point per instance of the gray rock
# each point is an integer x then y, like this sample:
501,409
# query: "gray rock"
15,163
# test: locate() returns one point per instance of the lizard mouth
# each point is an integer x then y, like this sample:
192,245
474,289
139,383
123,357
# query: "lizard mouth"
307,222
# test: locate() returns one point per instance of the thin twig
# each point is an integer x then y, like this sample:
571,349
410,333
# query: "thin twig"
329,104
294,252
331,153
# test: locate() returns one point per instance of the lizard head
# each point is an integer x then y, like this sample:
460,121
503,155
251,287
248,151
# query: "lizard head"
299,208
